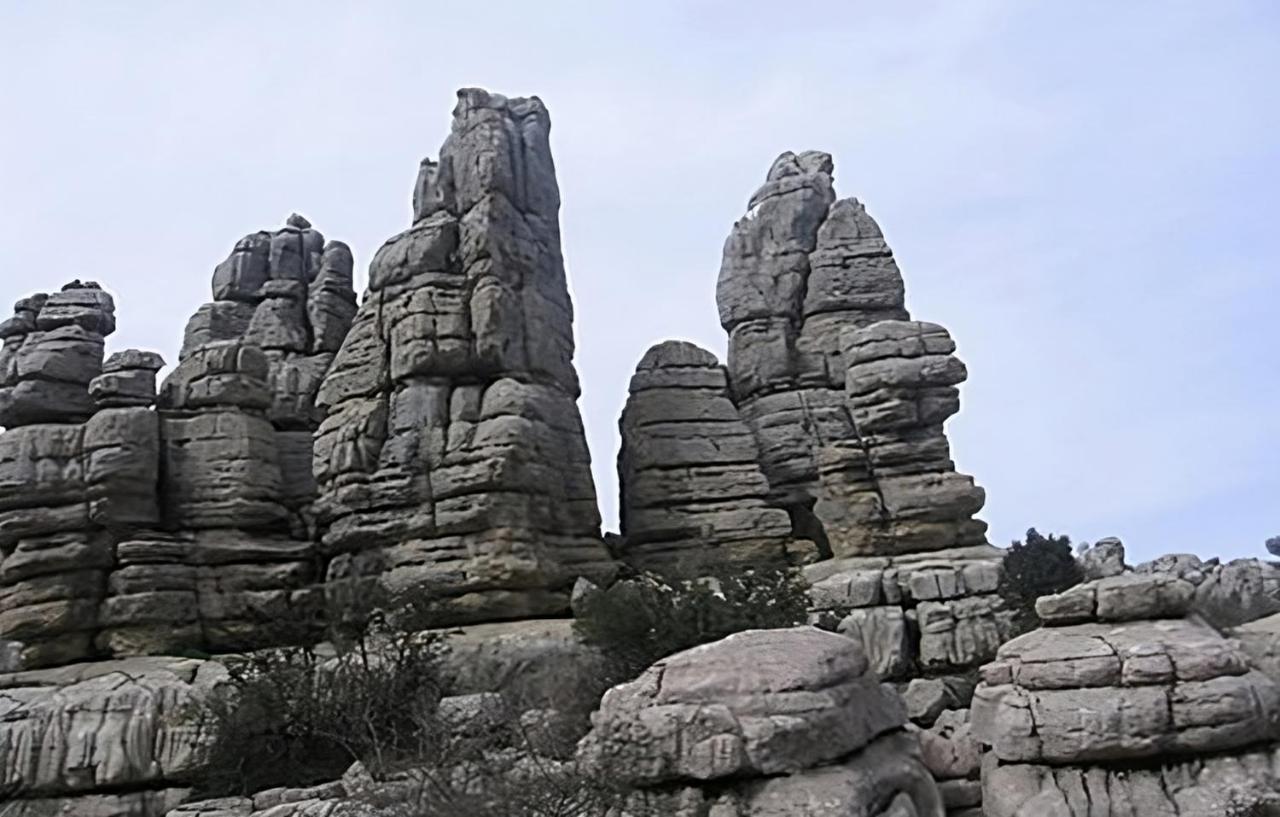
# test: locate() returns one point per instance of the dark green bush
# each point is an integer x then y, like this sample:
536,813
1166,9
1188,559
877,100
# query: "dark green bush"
639,620
293,716
1040,566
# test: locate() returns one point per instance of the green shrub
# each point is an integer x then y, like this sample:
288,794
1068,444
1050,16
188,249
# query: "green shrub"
292,716
639,620
1040,566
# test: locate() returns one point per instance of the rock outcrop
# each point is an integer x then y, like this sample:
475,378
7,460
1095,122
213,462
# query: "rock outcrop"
693,494
762,722
126,530
232,564
53,349
452,457
846,396
106,739
1123,703
79,461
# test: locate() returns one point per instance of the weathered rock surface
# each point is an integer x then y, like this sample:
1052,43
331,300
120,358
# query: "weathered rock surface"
1207,787
112,738
1104,558
769,722
126,530
53,349
890,486
1119,676
67,491
693,494
452,457
954,758
917,614
845,395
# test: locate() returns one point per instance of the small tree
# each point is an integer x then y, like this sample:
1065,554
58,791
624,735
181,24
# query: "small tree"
1040,566
637,621
1273,546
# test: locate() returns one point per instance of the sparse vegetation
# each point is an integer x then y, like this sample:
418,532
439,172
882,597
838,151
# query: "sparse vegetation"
1039,566
295,715
639,620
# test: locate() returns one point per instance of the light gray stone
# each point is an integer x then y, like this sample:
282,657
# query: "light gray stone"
746,705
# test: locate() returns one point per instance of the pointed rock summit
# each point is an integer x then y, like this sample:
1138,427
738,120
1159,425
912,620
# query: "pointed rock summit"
452,457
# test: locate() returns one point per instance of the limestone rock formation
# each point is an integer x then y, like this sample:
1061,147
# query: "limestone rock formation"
1104,558
845,395
1226,595
891,486
954,758
451,458
693,494
126,530
112,738
53,348
1120,676
762,722
232,563
72,475
921,614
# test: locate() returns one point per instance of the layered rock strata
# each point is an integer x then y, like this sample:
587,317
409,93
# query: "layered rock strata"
53,349
107,739
846,396
452,457
126,530
933,614
1122,701
79,461
232,564
289,293
762,722
693,496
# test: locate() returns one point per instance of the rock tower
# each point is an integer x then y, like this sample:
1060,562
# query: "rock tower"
127,529
452,458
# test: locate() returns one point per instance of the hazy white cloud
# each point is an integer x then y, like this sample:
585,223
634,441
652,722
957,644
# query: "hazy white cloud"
1082,192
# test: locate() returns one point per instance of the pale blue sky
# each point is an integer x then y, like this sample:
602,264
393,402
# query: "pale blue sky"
1083,192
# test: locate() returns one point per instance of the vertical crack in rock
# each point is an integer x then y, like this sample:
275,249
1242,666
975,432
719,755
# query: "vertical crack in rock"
452,458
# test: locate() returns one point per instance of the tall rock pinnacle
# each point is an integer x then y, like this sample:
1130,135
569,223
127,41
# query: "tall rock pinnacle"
452,459
802,274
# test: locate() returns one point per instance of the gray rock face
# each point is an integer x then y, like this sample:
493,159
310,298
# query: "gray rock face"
65,490
52,351
452,455
891,486
1209,787
845,395
108,738
290,294
693,494
126,530
1105,558
954,758
935,613
1118,676
774,721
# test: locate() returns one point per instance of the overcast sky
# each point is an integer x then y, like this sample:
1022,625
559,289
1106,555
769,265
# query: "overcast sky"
1082,192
